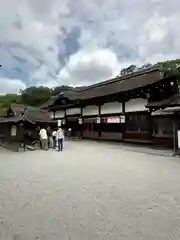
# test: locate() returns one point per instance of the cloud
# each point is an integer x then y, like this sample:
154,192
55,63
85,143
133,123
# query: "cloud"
11,86
79,42
88,66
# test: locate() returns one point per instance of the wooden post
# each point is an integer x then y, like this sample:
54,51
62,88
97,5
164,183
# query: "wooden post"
82,122
100,124
150,126
123,126
65,116
175,136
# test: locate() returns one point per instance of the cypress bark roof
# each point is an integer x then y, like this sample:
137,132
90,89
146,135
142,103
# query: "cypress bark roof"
27,113
173,101
120,84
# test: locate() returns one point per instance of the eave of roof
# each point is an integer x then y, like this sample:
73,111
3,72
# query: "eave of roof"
173,101
120,78
27,113
120,84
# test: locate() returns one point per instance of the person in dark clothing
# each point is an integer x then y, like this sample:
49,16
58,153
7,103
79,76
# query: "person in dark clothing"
26,139
50,139
54,139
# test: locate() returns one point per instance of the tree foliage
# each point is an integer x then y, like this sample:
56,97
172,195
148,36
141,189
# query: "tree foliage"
6,100
32,96
35,96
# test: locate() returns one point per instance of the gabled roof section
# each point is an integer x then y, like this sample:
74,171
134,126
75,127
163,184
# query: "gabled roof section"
10,119
173,101
27,113
17,109
33,114
71,95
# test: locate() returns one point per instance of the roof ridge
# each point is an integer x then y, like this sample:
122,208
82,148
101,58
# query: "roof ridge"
121,78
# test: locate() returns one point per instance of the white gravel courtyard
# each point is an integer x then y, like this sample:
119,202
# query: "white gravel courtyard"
91,191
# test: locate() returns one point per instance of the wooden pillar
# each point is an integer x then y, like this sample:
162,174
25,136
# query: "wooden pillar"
123,124
150,124
100,124
65,116
123,107
176,150
81,116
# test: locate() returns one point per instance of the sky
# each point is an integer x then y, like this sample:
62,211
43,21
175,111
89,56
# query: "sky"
79,42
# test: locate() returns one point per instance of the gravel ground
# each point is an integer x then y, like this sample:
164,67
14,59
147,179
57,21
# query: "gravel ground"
90,191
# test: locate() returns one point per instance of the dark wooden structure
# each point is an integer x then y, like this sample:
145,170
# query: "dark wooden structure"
21,124
119,109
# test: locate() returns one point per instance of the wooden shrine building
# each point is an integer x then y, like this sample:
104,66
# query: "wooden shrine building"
21,120
121,109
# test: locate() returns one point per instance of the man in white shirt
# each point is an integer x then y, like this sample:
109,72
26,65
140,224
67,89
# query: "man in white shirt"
60,138
44,139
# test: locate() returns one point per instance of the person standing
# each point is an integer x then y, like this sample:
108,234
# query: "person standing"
50,139
43,139
60,138
68,133
54,138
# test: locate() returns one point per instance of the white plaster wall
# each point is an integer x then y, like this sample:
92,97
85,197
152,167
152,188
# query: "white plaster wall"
90,110
136,105
72,111
59,114
113,107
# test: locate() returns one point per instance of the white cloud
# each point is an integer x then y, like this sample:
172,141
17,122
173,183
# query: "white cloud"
11,86
36,40
89,66
113,34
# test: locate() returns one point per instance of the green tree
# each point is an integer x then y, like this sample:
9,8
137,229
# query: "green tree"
171,67
60,89
35,96
6,100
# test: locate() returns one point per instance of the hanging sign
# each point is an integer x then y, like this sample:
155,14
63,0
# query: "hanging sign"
59,122
80,120
123,119
98,120
13,131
